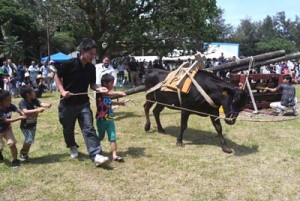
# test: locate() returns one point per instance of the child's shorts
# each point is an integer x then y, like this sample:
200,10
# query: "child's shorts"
9,136
29,134
109,127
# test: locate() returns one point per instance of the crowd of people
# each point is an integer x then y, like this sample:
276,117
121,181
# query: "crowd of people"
40,77
291,67
136,70
74,105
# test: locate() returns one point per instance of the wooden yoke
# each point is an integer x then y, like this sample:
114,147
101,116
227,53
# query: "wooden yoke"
184,83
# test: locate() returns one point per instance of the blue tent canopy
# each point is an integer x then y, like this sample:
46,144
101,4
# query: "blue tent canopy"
58,57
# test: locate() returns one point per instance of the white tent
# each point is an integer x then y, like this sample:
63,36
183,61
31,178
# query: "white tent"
146,58
74,54
182,58
216,52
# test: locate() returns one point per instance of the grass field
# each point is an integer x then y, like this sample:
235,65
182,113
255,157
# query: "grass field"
265,164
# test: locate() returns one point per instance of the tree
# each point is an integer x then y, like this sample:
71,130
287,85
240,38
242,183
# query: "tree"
11,47
221,32
146,25
275,44
266,30
63,42
246,36
283,26
17,21
295,33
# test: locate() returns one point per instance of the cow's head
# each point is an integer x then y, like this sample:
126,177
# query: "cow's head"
233,101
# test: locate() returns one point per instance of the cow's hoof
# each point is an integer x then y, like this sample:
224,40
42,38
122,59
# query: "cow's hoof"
180,144
227,150
162,131
147,126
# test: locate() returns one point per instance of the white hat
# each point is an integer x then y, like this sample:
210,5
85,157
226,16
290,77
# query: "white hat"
26,74
51,61
39,76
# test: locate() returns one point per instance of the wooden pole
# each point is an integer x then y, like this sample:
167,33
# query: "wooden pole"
244,62
295,55
131,91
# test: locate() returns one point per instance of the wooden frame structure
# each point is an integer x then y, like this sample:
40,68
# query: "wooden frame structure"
257,83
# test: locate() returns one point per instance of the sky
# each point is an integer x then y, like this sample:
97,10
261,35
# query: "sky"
235,10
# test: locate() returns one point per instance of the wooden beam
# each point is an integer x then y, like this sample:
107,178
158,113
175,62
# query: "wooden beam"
245,62
258,64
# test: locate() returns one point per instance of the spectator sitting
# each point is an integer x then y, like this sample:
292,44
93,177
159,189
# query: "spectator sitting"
40,86
288,98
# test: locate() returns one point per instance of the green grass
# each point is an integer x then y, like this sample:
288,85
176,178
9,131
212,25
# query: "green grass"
264,165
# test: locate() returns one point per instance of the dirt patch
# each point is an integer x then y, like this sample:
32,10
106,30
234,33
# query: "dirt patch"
266,115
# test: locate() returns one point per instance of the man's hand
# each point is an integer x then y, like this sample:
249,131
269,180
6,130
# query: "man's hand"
41,109
101,90
22,117
65,94
121,93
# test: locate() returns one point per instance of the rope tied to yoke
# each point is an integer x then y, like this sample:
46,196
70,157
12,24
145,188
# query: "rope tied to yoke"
190,110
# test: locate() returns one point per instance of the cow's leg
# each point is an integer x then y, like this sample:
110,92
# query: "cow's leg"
183,125
217,124
147,107
156,111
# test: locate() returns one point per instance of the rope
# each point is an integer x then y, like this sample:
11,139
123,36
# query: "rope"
79,94
189,110
251,63
219,117
197,112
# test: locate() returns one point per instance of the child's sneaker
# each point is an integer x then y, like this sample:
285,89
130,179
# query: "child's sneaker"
99,160
24,157
15,164
1,157
118,159
74,152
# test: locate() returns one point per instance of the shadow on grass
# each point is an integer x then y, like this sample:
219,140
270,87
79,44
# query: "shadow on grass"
122,115
198,137
134,152
50,158
84,156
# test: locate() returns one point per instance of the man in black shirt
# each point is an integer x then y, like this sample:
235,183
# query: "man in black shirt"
73,79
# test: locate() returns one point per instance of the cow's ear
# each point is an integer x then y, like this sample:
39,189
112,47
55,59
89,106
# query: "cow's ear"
224,92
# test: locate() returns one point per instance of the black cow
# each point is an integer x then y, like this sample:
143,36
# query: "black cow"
222,93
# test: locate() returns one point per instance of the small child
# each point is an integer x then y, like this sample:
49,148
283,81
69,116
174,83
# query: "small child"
6,109
40,86
31,107
104,116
